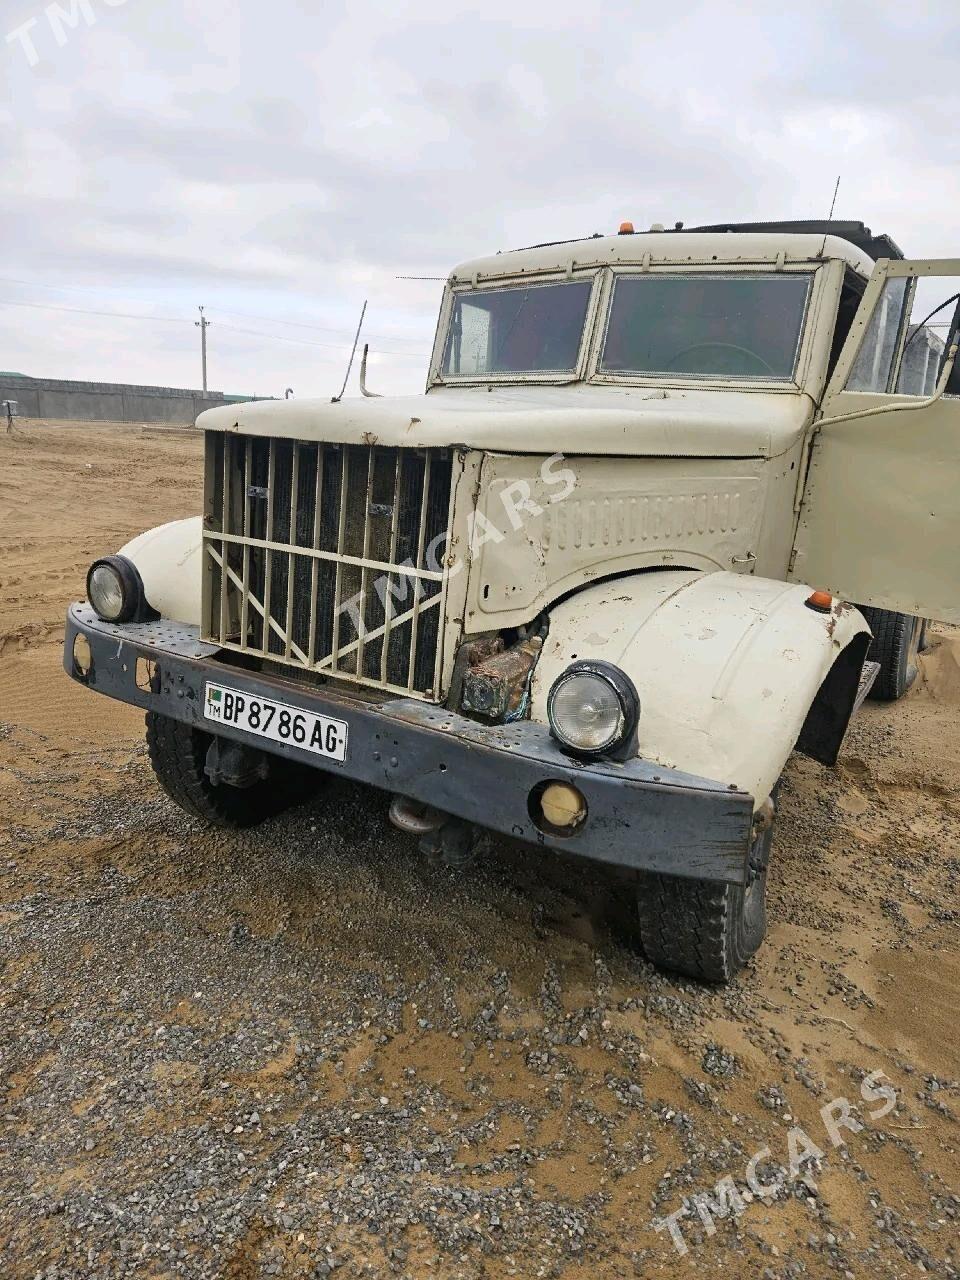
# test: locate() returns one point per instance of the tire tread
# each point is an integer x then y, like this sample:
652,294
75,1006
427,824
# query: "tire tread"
892,633
705,929
178,755
684,925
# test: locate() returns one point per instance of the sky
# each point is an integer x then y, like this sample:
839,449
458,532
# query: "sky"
282,163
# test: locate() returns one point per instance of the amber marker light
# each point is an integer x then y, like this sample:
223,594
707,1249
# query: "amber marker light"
820,601
626,229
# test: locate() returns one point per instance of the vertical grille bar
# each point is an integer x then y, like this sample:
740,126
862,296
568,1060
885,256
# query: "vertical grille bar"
245,590
268,555
224,547
315,564
392,558
292,536
362,615
341,530
417,591
441,608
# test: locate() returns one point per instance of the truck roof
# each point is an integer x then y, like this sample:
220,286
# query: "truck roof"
756,242
859,235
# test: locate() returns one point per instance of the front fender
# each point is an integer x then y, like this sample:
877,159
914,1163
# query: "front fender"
168,559
727,665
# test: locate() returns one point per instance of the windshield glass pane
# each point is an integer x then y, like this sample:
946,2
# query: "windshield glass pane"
706,326
528,329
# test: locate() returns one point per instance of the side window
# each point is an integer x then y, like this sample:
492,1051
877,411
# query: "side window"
874,362
905,344
932,305
851,296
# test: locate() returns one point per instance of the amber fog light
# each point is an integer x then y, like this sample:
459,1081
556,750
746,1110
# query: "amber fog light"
557,808
82,657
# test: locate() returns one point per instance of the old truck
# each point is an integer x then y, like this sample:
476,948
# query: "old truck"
593,587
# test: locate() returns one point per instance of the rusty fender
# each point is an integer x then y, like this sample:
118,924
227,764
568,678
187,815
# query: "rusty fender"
727,665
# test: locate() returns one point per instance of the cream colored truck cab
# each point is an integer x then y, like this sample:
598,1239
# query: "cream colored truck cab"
593,586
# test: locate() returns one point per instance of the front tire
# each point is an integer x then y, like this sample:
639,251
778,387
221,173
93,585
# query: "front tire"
897,640
178,754
703,929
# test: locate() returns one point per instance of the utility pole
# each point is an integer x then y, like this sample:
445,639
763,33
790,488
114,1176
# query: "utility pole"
203,324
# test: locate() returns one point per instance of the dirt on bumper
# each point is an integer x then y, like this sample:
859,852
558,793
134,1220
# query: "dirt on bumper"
639,814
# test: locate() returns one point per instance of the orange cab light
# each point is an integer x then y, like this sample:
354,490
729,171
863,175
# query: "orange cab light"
626,229
822,601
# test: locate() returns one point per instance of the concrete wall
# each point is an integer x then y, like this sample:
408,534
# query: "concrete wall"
106,401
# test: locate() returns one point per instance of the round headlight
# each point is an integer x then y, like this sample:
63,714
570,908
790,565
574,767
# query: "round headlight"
593,709
114,589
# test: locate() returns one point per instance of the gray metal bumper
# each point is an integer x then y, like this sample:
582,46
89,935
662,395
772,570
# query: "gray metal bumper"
639,814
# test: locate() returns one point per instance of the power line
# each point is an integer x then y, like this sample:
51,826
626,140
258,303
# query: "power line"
329,346
301,324
57,288
241,315
83,311
255,333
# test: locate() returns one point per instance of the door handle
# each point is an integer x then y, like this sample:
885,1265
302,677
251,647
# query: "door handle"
749,558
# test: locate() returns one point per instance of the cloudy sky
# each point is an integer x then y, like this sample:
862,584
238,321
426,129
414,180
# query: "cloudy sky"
279,163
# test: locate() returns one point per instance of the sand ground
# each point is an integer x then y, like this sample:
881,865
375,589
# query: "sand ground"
304,1050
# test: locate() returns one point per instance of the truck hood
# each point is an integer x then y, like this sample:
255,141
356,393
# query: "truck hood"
620,421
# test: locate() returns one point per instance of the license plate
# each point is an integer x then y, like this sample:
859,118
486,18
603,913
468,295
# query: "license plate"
277,721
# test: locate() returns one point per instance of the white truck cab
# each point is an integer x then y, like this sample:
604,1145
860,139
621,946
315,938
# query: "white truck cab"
594,585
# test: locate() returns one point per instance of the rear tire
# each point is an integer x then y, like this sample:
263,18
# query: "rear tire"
178,754
703,929
897,639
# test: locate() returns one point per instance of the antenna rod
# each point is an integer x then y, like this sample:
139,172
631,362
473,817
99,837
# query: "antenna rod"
371,395
833,203
356,339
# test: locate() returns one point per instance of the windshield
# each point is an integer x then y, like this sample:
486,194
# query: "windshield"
707,326
526,329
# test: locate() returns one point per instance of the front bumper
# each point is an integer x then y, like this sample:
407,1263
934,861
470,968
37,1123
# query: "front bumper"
640,815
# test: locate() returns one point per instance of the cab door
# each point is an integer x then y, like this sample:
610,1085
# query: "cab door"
880,516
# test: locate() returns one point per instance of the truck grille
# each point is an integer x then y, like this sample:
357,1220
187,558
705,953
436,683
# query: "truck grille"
329,557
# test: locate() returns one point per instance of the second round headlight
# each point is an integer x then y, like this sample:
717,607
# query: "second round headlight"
593,709
114,589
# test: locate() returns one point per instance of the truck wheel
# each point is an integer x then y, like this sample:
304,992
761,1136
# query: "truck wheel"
178,754
703,929
897,639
